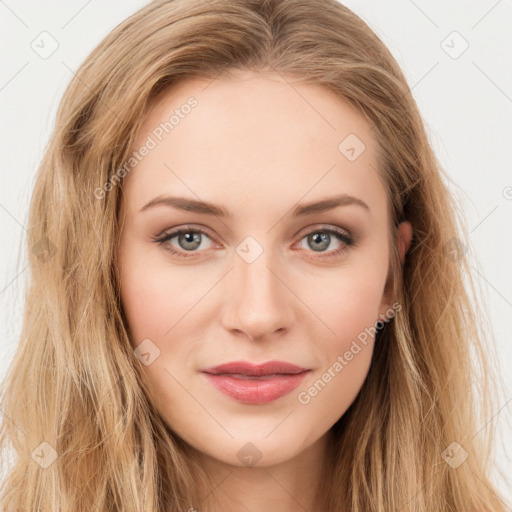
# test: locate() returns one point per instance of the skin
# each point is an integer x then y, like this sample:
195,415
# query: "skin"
256,146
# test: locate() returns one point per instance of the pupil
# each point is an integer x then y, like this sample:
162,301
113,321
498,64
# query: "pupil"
322,238
190,238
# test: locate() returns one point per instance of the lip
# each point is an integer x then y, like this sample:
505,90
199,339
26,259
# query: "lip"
253,369
251,383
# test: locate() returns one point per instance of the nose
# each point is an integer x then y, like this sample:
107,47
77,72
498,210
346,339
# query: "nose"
259,304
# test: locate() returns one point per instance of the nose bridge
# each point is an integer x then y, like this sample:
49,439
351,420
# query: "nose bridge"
258,302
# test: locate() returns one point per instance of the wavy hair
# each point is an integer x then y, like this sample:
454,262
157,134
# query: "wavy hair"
79,426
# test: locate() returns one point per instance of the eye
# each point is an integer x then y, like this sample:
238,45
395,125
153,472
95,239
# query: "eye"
188,240
322,238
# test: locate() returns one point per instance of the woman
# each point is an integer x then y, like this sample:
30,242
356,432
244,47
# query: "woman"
247,281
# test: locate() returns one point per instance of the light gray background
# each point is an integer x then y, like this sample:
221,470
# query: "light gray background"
466,103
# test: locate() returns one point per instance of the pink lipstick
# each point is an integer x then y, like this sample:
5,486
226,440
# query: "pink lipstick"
255,384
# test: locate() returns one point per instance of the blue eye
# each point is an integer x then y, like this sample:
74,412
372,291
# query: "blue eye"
190,241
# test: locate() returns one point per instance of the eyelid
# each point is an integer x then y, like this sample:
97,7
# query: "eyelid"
184,227
321,227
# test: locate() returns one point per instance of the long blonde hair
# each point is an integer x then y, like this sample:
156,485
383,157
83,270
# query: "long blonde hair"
84,435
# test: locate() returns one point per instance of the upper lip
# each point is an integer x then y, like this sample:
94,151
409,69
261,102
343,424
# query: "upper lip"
252,369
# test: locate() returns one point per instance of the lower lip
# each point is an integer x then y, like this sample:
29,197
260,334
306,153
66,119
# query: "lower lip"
256,391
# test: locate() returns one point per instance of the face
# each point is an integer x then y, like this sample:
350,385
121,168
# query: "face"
263,278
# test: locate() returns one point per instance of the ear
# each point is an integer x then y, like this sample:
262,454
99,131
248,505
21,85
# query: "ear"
403,240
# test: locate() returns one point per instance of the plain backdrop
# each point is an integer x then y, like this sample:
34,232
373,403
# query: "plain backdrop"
456,55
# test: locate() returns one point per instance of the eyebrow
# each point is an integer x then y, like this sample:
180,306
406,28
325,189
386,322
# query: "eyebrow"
204,207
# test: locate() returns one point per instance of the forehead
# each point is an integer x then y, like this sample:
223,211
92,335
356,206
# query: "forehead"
261,135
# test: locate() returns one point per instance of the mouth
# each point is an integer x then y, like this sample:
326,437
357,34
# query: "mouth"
255,384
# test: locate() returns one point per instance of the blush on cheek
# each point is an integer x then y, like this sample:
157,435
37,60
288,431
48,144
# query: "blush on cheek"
151,301
351,309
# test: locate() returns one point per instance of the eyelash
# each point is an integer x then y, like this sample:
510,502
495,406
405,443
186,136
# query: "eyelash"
340,235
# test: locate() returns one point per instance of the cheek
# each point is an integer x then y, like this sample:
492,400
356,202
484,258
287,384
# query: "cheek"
147,303
158,306
349,307
154,297
348,301
350,310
